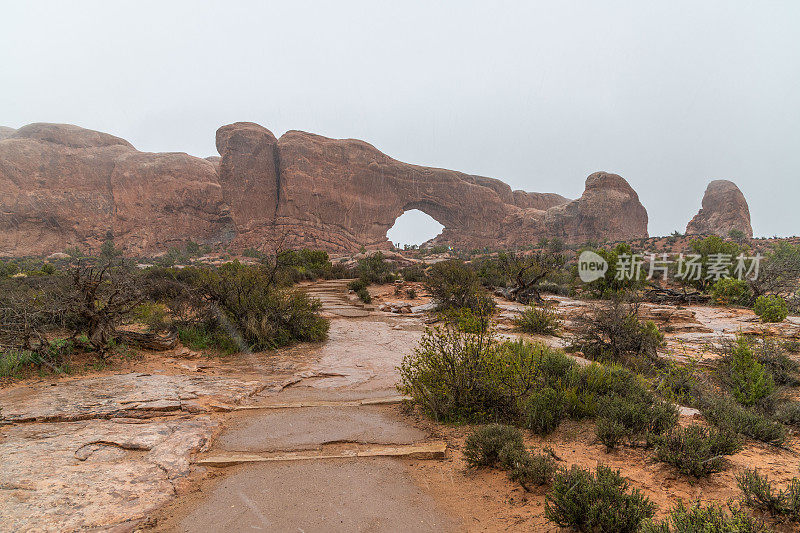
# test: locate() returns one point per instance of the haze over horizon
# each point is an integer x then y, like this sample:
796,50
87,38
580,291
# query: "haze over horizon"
669,95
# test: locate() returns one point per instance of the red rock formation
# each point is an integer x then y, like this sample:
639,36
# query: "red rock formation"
6,132
248,174
67,186
724,209
63,186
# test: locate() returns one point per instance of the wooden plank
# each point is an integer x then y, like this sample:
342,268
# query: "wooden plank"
424,450
323,403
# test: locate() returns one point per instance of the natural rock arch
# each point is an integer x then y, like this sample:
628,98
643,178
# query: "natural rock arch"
410,220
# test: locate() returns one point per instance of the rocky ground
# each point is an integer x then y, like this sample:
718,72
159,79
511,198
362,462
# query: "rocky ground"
127,448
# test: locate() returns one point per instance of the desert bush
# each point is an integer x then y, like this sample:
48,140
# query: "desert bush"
13,362
695,450
779,271
728,415
455,374
678,383
609,286
616,334
466,320
711,518
411,293
502,446
596,501
789,413
200,337
758,492
731,291
747,379
413,273
303,264
453,285
584,387
772,354
538,321
96,300
152,314
771,308
448,375
708,248
364,295
634,418
523,274
484,445
248,300
791,346
357,285
374,268
543,411
526,468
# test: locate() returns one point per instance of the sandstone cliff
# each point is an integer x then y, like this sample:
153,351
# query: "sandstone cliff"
724,209
64,185
67,186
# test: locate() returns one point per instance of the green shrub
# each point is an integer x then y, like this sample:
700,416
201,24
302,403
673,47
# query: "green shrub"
678,383
708,248
538,321
771,308
374,268
633,418
13,363
453,285
364,295
152,314
411,293
695,450
772,354
789,413
791,346
248,301
731,291
449,374
711,518
357,285
730,416
609,286
759,493
484,445
413,273
527,469
200,337
747,379
466,320
543,410
596,501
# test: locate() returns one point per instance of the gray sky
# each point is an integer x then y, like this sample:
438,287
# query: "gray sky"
670,95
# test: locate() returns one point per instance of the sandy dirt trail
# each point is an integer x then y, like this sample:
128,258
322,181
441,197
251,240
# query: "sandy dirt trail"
352,494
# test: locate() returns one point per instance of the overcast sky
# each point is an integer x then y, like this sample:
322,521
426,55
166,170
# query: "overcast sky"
670,95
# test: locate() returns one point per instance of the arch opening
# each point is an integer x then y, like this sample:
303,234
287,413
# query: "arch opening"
413,228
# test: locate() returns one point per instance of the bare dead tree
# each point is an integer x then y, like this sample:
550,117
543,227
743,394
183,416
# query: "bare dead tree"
527,272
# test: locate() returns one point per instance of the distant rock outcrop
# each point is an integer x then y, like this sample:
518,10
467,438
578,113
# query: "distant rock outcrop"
67,186
64,186
5,132
724,209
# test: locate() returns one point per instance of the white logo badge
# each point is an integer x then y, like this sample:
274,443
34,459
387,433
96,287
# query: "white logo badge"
591,266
